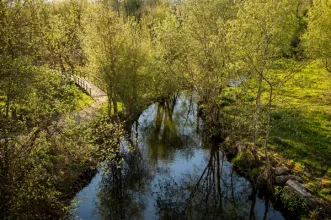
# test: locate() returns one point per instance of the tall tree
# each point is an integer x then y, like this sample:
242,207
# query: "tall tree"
261,36
317,38
104,46
204,56
19,45
119,52
62,27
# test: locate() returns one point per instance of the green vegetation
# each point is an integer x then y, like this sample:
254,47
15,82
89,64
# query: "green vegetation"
83,101
301,125
244,161
275,53
291,201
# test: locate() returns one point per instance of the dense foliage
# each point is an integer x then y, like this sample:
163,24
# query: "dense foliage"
240,58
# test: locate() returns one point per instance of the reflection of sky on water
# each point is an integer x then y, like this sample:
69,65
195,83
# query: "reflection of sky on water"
169,175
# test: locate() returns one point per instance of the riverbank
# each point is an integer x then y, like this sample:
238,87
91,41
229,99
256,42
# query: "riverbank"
285,188
302,127
300,131
43,167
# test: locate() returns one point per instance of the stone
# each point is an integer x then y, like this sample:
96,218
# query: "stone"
298,178
279,171
301,191
298,188
283,179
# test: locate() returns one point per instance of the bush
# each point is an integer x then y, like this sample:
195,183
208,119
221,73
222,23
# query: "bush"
290,200
244,161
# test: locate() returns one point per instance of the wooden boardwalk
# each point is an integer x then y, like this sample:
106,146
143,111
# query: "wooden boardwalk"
98,95
90,84
92,90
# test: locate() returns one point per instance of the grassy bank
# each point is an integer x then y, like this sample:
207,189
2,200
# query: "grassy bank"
300,125
301,128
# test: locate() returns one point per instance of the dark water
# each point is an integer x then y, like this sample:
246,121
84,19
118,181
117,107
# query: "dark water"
171,172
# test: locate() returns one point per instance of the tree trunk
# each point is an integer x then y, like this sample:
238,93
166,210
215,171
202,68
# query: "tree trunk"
327,65
267,134
257,116
109,94
7,108
14,113
115,106
8,97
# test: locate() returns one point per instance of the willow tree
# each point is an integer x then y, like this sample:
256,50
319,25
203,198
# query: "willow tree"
104,44
260,38
317,38
169,52
135,75
119,53
205,60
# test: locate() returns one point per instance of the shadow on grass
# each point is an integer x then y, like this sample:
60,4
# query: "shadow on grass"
305,139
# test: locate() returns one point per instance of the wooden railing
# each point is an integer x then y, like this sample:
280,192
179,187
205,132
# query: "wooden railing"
83,84
84,80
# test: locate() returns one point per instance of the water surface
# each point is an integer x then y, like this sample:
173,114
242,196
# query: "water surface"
172,172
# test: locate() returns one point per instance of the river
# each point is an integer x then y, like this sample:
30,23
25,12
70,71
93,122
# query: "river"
171,171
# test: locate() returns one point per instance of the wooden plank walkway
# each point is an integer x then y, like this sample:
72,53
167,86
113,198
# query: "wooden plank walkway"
97,94
92,90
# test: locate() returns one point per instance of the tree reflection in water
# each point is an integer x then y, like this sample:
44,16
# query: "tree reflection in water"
216,194
173,128
121,190
176,173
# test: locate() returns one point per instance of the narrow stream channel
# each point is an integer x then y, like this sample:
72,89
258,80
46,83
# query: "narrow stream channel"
171,172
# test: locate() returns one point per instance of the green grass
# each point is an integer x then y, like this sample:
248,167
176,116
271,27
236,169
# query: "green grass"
83,100
104,108
301,123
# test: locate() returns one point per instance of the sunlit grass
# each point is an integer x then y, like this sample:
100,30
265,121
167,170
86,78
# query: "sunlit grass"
301,125
104,108
83,100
